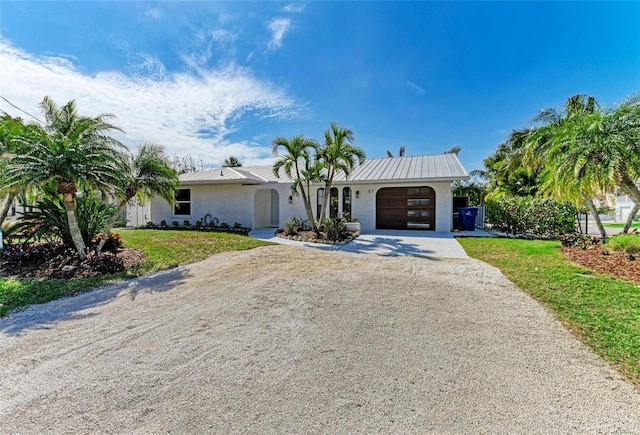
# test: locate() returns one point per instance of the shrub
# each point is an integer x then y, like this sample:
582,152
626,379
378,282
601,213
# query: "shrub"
629,243
175,223
49,218
198,223
150,225
539,216
186,223
333,228
113,243
581,240
163,223
237,225
224,225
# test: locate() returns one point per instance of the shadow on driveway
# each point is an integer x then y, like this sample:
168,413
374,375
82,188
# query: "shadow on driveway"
45,316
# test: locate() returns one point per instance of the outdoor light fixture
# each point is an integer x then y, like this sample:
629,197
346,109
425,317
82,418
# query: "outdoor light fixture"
221,174
290,199
357,194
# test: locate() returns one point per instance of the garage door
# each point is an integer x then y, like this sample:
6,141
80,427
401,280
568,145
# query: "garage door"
406,208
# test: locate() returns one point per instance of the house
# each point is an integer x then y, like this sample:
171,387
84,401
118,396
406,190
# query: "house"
623,206
411,192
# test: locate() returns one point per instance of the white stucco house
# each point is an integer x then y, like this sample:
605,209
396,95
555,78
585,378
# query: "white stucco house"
623,207
413,192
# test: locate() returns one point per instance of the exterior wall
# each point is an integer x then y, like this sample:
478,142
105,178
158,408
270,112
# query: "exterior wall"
250,205
623,208
364,207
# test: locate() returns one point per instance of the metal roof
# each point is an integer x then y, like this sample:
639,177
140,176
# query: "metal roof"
435,167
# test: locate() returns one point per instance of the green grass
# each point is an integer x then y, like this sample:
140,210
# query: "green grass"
164,249
620,225
603,311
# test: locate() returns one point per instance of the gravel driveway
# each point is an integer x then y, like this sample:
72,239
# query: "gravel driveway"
291,340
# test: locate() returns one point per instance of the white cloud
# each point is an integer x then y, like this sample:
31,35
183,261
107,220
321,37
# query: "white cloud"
153,13
415,89
294,7
278,27
188,113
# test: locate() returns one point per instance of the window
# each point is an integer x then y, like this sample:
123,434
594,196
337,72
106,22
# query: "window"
333,202
319,198
346,201
183,205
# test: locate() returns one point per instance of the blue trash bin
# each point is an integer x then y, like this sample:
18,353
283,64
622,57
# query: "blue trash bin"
468,217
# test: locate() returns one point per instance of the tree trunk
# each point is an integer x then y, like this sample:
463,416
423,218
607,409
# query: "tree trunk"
70,207
110,224
327,192
308,209
632,214
8,200
630,188
596,216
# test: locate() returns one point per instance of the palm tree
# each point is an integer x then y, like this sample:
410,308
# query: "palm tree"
401,152
297,152
231,162
337,155
73,151
576,164
144,175
454,150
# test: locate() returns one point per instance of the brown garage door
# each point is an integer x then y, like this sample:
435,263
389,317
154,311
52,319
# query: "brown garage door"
406,208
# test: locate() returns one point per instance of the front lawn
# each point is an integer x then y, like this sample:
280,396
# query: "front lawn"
619,225
164,249
603,311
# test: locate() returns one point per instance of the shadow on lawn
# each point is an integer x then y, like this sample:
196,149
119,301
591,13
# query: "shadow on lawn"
45,316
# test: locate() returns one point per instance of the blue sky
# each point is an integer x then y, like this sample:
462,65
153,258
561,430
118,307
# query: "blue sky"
214,79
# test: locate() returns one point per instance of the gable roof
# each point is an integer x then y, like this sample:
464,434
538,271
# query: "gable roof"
435,167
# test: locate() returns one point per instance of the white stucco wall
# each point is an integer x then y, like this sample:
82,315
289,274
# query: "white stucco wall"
364,207
236,203
232,203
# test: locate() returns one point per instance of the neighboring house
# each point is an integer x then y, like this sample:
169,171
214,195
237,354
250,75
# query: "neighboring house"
623,207
387,193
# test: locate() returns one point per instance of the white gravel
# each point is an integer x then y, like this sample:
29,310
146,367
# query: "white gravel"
292,340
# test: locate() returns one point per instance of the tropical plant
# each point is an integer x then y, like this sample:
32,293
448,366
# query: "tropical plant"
73,152
337,155
401,152
454,150
560,152
298,166
12,129
333,228
144,175
231,162
48,219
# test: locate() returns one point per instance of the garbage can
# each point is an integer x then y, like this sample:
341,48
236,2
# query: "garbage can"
468,217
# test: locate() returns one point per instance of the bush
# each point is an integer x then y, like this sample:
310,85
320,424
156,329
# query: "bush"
629,243
113,243
49,219
295,224
333,228
539,216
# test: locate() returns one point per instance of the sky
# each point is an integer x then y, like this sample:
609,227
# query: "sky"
214,79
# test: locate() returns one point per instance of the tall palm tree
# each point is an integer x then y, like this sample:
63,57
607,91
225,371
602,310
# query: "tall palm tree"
401,152
73,151
146,174
337,155
231,162
577,163
298,153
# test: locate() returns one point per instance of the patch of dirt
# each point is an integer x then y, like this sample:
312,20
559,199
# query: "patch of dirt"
54,261
605,261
